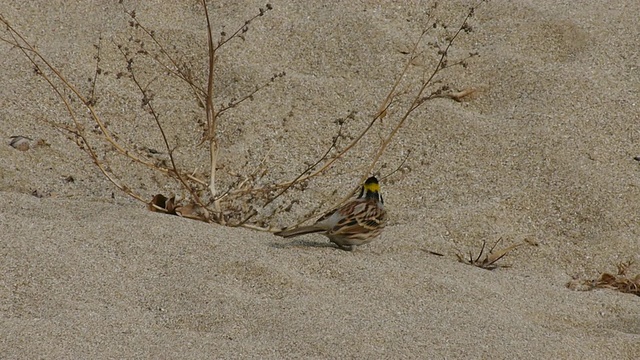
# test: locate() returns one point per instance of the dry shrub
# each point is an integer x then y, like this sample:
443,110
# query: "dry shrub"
243,198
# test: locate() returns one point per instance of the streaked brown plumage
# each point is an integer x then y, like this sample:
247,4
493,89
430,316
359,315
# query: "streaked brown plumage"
356,223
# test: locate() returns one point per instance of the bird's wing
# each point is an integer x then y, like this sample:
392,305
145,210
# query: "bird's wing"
359,218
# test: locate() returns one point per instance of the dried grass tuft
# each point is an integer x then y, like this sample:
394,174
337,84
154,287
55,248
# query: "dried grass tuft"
490,259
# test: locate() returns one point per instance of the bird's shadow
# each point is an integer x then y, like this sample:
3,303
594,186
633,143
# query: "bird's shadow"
303,244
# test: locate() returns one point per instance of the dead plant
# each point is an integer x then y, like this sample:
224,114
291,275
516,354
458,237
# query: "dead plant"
490,259
241,200
620,281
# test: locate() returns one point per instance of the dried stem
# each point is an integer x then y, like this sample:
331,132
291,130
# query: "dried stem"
418,98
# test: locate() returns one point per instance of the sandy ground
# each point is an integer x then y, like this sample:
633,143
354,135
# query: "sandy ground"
543,154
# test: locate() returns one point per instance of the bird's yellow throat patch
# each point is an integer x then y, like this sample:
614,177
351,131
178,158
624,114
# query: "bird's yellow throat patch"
373,187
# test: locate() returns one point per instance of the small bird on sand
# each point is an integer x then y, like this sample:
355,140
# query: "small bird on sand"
355,223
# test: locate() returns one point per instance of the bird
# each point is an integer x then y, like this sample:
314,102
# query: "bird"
355,223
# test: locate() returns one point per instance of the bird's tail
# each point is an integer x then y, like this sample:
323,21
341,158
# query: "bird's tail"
299,231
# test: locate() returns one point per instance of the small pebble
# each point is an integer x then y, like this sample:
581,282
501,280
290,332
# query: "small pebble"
20,142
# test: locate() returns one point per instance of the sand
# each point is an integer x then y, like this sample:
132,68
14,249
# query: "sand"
543,154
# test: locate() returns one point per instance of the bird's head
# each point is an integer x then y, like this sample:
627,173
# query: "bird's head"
371,190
